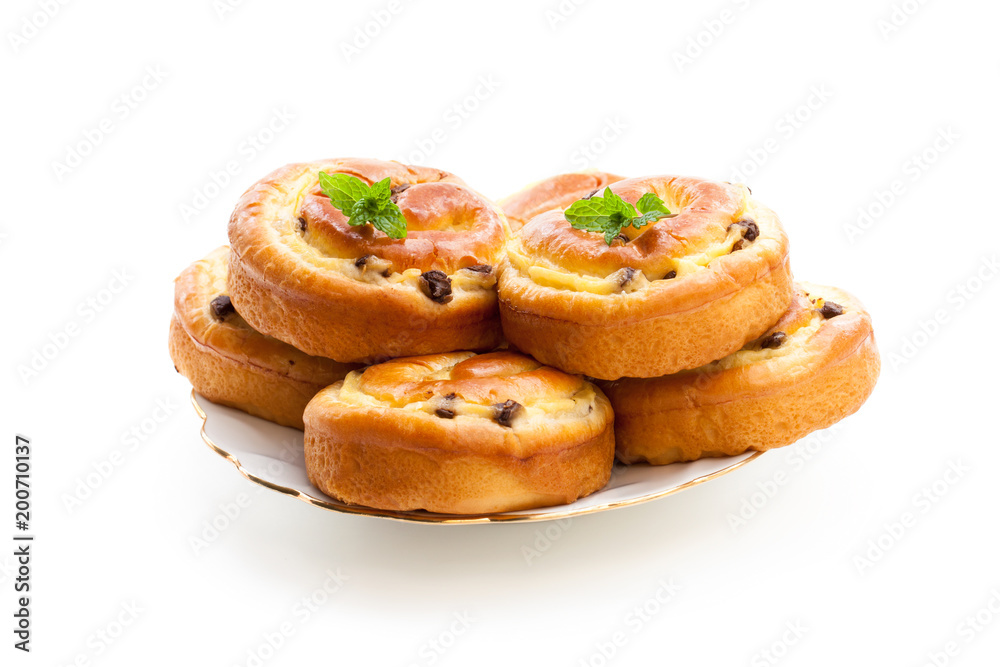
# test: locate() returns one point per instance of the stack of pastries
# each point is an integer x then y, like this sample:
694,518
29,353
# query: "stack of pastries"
446,353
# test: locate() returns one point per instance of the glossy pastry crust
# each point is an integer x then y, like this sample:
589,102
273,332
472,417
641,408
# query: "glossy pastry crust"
817,365
670,296
301,273
230,363
459,433
554,192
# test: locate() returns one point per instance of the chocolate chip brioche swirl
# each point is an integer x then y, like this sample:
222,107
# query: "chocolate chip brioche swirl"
816,365
674,294
301,273
229,362
459,433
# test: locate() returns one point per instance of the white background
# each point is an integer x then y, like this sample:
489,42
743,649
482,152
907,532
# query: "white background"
820,107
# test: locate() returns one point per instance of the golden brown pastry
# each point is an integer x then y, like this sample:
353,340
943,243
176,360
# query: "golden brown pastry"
554,192
301,273
230,363
814,367
674,294
459,433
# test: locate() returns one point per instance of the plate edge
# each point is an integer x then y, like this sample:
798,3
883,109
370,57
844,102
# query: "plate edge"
458,519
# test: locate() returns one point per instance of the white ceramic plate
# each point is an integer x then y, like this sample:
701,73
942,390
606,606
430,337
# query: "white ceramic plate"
271,455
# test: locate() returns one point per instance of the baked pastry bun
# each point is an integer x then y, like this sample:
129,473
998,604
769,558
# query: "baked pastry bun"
459,433
814,367
554,192
671,295
230,363
301,273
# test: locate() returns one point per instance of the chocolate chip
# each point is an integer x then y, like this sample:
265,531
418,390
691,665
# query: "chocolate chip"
627,274
480,268
395,190
361,261
670,275
773,341
445,413
221,306
506,411
450,396
291,362
302,225
177,369
749,230
831,309
436,285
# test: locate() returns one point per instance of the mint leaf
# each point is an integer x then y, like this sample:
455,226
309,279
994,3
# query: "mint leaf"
610,213
588,214
382,189
342,189
650,202
652,216
363,204
617,205
392,223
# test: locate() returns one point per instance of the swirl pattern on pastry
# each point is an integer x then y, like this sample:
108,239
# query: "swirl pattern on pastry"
671,295
815,366
229,362
459,433
555,192
301,273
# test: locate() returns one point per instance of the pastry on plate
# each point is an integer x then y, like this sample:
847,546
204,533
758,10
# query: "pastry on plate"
553,192
647,277
362,260
228,362
817,365
459,433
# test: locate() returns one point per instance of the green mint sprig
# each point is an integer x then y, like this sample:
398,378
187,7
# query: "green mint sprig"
610,213
362,204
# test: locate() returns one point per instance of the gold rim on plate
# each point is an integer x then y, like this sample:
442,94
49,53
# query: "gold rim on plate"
328,503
